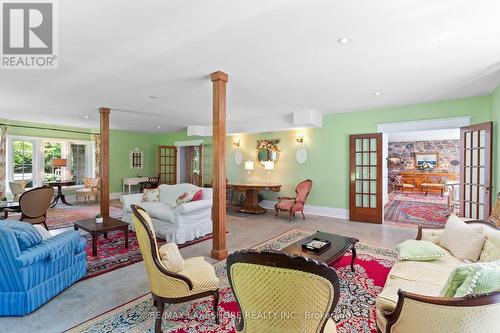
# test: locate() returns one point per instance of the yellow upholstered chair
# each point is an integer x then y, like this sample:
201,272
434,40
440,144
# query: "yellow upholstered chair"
299,293
91,189
196,279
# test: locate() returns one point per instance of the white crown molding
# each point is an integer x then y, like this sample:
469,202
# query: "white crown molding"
339,213
424,125
188,143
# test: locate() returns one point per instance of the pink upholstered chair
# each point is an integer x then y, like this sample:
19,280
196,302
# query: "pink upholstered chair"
293,205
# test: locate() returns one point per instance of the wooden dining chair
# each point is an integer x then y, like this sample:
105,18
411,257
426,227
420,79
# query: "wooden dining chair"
34,205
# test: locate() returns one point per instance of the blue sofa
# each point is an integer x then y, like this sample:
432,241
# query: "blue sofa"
33,270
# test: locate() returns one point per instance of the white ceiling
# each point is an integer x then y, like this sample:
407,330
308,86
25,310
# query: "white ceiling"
281,56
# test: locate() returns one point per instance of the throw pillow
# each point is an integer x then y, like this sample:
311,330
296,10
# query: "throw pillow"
462,240
491,248
25,234
42,231
151,195
171,257
184,198
419,250
198,195
473,279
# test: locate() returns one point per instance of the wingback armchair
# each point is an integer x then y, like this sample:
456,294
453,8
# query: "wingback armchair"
196,279
295,204
275,282
33,270
17,188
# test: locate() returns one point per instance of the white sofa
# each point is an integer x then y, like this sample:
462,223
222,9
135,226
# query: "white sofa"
410,300
177,224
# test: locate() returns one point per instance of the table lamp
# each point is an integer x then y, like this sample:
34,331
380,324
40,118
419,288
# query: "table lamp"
58,163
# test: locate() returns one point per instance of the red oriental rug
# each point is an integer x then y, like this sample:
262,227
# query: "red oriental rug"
355,311
112,254
423,214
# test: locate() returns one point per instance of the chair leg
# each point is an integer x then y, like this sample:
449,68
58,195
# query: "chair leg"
216,306
276,213
290,214
303,216
45,225
160,307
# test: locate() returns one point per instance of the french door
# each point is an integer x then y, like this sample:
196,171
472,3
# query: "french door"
475,171
365,199
167,166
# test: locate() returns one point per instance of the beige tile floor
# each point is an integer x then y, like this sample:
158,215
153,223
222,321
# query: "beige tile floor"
89,298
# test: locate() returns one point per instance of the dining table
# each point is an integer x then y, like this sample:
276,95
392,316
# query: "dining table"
251,203
59,194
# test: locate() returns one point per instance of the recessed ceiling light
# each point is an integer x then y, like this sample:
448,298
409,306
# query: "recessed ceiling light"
159,127
86,117
228,117
153,97
377,93
343,40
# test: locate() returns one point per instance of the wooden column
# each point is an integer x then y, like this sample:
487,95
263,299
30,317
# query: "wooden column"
219,250
104,115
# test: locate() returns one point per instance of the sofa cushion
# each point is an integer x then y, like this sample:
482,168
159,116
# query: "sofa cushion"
169,193
419,250
464,241
491,247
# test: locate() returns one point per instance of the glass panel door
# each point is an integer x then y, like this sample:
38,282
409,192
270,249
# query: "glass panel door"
77,162
23,161
475,172
366,178
167,166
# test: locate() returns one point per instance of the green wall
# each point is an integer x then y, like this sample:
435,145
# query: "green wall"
328,157
495,116
121,142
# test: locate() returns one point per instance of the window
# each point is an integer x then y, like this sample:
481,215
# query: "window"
23,161
77,162
51,150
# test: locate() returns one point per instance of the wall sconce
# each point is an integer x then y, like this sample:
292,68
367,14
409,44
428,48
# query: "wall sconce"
301,154
249,166
299,137
236,142
269,166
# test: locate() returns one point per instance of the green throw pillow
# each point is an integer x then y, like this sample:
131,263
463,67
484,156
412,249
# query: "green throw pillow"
419,250
473,279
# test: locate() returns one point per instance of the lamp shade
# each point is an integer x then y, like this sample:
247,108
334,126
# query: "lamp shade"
248,165
59,162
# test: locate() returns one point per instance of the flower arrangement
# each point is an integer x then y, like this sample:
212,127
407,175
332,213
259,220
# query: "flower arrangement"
425,166
271,145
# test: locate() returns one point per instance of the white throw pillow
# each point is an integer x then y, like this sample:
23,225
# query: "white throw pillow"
491,248
42,231
462,240
171,257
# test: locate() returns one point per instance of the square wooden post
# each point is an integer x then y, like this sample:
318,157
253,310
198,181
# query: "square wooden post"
104,119
219,250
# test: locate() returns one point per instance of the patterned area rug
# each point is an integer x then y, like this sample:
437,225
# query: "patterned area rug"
423,214
355,311
112,254
419,197
63,216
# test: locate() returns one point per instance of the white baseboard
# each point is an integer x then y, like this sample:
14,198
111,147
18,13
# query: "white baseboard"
339,213
115,195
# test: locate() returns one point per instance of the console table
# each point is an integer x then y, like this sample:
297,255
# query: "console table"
425,177
133,181
251,203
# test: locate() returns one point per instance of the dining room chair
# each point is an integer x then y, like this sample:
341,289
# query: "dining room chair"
297,203
17,187
91,189
434,183
403,184
275,282
195,280
34,205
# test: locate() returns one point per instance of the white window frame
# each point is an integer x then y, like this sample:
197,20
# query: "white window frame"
38,154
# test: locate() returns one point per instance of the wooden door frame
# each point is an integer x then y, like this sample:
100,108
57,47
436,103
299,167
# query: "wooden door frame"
488,174
378,217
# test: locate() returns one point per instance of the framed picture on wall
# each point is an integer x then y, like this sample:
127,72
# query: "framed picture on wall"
422,159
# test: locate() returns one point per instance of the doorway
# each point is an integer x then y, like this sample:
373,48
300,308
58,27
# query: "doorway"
190,165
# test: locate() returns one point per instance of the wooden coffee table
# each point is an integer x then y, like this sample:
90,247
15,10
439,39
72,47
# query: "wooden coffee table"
95,229
340,245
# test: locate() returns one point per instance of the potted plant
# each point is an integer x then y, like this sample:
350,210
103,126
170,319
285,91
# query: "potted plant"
98,218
